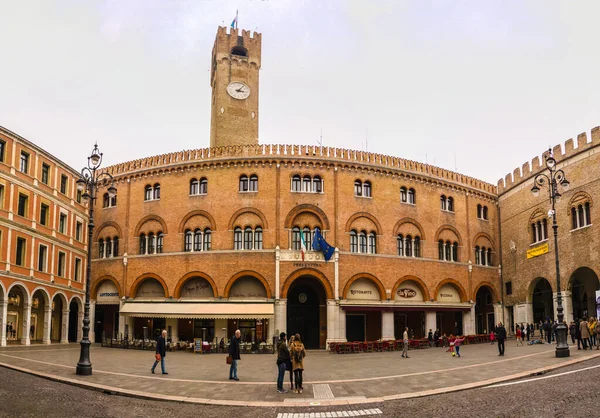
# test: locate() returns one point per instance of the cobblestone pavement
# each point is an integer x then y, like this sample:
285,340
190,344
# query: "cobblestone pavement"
351,377
567,395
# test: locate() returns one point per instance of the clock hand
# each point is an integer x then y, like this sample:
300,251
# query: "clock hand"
240,89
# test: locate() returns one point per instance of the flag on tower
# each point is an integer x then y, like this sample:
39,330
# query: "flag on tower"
234,23
319,244
303,244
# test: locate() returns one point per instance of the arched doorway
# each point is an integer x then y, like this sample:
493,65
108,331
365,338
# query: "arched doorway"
583,284
484,310
106,311
149,289
15,318
307,311
542,303
57,324
73,320
39,302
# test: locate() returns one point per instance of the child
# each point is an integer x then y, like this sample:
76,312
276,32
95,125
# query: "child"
492,337
519,339
457,342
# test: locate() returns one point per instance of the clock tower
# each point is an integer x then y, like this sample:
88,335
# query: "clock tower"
234,82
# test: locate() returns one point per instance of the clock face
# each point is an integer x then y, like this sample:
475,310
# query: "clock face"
238,90
302,298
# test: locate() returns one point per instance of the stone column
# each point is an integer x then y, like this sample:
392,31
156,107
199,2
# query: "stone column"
170,322
332,321
46,339
430,321
25,326
122,320
281,316
567,303
497,314
92,333
342,325
523,313
3,315
64,335
387,325
469,321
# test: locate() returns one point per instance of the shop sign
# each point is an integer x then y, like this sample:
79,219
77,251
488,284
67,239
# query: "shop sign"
197,288
406,293
410,291
248,287
448,293
363,289
537,251
107,293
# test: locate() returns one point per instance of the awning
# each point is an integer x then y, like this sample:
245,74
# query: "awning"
210,310
424,306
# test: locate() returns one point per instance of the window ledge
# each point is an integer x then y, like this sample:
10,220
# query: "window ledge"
112,207
198,194
581,228
539,242
483,219
448,211
408,203
364,197
151,200
304,192
248,191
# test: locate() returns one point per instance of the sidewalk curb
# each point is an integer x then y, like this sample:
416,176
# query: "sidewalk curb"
325,402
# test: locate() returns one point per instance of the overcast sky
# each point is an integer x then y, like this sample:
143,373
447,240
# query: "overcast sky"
488,84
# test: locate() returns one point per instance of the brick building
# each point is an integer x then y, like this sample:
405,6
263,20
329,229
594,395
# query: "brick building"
43,244
528,252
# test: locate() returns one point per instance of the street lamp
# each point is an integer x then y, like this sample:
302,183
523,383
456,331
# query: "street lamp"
552,180
89,183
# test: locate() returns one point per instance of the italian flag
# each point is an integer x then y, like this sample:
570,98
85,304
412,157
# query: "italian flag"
303,244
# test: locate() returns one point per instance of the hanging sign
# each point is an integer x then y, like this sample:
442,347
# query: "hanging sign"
534,252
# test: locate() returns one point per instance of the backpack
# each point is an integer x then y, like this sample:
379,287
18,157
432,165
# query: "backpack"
298,353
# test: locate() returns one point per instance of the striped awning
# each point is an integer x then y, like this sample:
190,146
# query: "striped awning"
207,310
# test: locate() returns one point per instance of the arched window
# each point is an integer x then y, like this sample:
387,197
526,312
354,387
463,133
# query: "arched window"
253,183
108,248
409,246
317,184
489,257
353,242
296,183
159,243
306,183
417,247
477,255
101,248
588,215
545,228
307,238
248,238
258,238
207,242
441,249
240,51
450,204
105,200
483,256
237,238
357,188
574,219
194,186
485,212
156,191
296,243
148,192
142,244
448,251
367,189
362,241
203,186
115,246
151,243
455,251
403,195
412,196
197,240
533,233
443,202
188,240
400,245
243,183
372,243
479,212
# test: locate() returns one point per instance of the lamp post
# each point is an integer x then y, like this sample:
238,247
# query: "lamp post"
89,183
552,180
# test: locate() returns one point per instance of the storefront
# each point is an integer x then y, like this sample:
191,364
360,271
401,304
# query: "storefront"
106,312
449,315
363,311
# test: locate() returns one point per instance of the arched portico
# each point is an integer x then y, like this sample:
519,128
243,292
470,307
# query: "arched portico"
583,285
18,314
541,297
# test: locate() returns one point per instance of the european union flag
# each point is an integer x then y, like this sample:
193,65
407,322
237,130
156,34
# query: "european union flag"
319,244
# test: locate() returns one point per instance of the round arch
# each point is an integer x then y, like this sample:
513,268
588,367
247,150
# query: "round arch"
256,212
534,283
78,299
447,227
63,297
459,287
147,218
106,225
409,221
250,273
3,290
181,282
211,220
24,289
536,214
97,283
358,215
486,236
492,290
136,284
315,210
421,283
578,270
580,196
307,272
44,292
368,276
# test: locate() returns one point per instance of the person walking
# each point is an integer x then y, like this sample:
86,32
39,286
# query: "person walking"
436,338
519,336
405,343
501,337
585,333
161,352
234,352
572,331
578,333
283,356
457,342
289,363
548,331
298,353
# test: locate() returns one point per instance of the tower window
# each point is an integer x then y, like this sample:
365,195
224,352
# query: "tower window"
240,51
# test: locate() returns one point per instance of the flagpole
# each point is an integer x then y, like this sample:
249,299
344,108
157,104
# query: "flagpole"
236,19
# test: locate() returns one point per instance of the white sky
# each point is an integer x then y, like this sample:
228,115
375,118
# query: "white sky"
492,82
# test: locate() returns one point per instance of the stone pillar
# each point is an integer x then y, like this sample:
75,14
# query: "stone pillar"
173,323
122,320
25,326
497,314
64,335
469,321
3,315
80,315
332,322
567,303
342,325
221,329
387,325
269,331
46,339
523,313
430,321
281,316
92,333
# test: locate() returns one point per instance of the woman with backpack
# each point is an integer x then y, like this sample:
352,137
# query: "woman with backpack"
298,353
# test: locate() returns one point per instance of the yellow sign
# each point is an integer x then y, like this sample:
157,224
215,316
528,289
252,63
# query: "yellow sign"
534,252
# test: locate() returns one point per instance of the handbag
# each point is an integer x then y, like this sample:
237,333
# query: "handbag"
229,360
157,356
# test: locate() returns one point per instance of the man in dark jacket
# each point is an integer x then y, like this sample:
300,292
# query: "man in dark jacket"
161,349
283,356
548,331
234,352
501,337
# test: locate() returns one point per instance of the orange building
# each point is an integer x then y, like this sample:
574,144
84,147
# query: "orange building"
43,246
